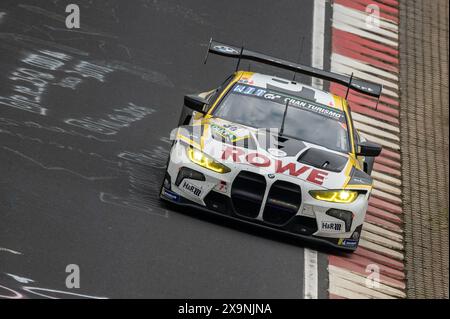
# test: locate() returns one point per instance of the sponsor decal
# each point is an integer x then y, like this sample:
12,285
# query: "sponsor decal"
225,49
230,127
225,133
246,81
221,187
293,101
333,227
295,169
348,242
251,90
171,195
191,188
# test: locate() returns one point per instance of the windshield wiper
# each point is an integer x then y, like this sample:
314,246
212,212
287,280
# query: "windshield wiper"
284,117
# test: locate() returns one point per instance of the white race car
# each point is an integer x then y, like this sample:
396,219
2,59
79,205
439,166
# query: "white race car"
275,153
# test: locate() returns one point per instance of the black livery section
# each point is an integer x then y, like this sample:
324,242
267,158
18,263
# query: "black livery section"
358,177
323,159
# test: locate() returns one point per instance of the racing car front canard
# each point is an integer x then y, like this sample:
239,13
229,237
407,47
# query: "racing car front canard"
274,153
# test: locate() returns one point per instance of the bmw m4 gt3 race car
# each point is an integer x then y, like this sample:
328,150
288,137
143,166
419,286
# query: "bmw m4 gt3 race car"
275,153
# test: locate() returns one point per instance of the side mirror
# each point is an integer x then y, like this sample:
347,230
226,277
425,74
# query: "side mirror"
367,148
195,103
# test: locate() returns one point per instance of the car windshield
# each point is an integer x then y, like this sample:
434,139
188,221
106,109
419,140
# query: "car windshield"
305,120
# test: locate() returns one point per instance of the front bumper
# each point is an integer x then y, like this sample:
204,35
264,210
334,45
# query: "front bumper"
202,188
295,228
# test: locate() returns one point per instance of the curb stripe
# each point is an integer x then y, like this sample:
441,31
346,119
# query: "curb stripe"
379,203
383,214
366,43
377,167
372,55
383,232
386,12
358,18
364,34
380,249
364,262
367,120
386,178
372,130
387,197
371,219
361,270
381,259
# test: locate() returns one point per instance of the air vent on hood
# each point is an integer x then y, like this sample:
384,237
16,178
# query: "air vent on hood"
323,159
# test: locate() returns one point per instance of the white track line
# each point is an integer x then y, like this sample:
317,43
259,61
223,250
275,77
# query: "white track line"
318,36
310,279
7,250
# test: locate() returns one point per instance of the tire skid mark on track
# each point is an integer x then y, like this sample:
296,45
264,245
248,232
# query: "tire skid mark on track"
57,168
136,77
372,55
144,169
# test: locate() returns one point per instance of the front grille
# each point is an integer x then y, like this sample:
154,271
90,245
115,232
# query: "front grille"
247,193
283,202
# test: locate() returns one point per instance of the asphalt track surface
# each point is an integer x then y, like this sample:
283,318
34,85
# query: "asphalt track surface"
74,190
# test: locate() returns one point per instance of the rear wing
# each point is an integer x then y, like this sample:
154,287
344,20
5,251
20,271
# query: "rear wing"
365,87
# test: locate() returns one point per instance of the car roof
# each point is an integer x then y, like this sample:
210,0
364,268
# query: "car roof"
273,82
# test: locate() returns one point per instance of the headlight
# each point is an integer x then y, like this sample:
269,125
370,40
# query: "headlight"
335,196
200,158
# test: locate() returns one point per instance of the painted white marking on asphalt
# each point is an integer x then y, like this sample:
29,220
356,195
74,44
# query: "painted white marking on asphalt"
38,291
318,39
57,168
20,279
14,294
310,279
7,250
